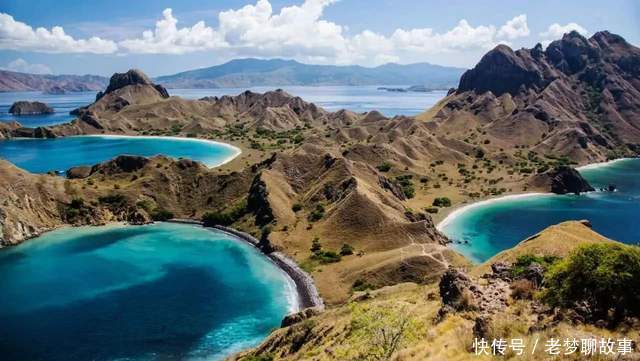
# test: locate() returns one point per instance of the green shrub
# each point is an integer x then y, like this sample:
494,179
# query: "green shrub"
297,207
161,215
315,245
225,217
317,213
384,167
325,257
406,185
264,357
442,202
113,199
431,210
77,203
346,250
604,276
360,285
524,261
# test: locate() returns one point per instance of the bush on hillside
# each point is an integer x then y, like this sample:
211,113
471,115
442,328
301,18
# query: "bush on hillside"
225,217
442,202
384,167
346,250
606,277
161,215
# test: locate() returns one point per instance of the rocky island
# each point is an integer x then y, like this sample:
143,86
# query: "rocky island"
30,108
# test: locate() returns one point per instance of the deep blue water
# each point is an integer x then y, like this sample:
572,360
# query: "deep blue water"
355,98
498,225
155,292
62,104
60,154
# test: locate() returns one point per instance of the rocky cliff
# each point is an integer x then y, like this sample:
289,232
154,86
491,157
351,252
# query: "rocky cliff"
579,98
561,180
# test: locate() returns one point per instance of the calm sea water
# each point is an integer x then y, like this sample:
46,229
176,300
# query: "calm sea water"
155,292
498,225
60,154
62,104
355,98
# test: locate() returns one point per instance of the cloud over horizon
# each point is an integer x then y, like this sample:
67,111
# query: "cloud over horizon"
298,32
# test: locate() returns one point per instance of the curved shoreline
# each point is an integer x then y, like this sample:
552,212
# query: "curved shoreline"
463,208
601,164
306,290
236,151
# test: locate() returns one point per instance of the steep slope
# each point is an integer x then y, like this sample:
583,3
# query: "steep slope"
407,322
256,72
579,98
14,81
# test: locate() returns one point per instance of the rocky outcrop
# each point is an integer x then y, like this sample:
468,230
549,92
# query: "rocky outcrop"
30,108
504,71
298,317
579,99
78,172
120,164
561,180
131,77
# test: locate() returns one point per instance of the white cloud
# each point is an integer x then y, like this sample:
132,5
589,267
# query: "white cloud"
16,35
22,66
300,32
168,39
555,31
515,28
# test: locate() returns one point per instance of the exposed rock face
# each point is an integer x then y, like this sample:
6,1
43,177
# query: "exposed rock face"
561,180
131,77
579,98
504,71
300,316
120,164
30,108
459,292
453,287
78,172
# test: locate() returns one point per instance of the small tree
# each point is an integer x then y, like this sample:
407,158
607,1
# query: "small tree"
346,250
315,245
378,332
604,276
442,202
384,167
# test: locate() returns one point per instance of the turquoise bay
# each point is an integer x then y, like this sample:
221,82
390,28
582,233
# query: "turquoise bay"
162,291
493,226
60,154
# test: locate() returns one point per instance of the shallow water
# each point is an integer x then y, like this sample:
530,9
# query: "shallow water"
60,154
162,291
355,98
501,224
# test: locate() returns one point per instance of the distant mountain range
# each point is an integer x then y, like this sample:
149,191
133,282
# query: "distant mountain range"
242,73
14,81
257,72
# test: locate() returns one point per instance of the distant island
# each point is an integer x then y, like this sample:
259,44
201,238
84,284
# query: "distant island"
242,73
258,72
413,88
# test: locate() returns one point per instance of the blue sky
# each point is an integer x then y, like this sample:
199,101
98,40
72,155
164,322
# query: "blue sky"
101,37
